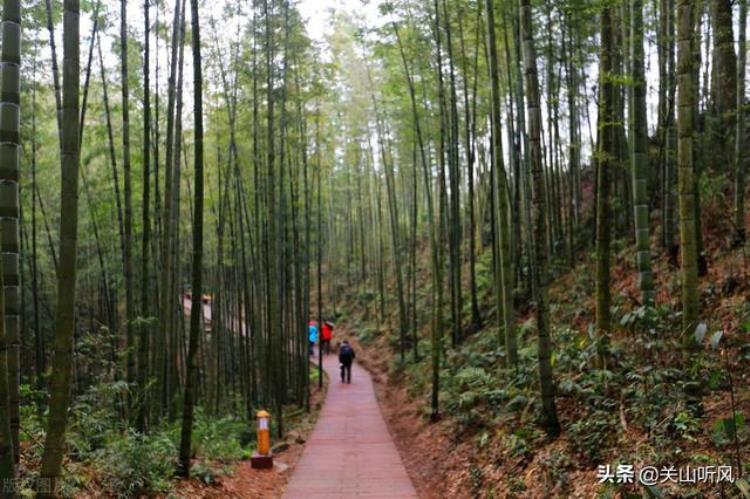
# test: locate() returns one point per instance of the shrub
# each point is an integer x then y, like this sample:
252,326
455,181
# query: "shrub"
219,439
592,434
135,464
465,390
366,296
555,466
367,334
521,442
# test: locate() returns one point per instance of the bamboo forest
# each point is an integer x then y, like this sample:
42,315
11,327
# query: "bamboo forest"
374,248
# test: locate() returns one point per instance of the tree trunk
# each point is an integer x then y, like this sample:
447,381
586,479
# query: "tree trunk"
196,326
639,157
112,153
470,147
686,186
39,343
166,312
454,218
62,362
10,149
606,159
143,344
739,141
503,271
668,136
724,60
10,311
55,70
574,148
539,273
522,139
7,446
130,365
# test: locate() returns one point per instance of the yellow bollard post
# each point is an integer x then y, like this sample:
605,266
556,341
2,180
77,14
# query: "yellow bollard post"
264,436
263,458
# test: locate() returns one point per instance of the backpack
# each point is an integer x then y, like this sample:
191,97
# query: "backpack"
346,353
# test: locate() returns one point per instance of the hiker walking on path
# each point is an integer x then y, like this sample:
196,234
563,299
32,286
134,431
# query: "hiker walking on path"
346,357
312,332
325,337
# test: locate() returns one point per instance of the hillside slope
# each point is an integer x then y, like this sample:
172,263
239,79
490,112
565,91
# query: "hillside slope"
634,412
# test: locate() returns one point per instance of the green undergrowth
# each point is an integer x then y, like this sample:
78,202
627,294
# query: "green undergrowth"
108,457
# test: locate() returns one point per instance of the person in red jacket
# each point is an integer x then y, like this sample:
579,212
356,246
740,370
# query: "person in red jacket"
326,335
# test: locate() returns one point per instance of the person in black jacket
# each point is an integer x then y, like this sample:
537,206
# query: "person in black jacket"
346,357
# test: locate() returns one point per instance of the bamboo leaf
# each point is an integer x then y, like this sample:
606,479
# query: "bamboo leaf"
716,338
744,486
654,492
700,332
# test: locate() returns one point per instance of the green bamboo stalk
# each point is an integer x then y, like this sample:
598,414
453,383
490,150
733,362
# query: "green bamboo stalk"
639,159
685,157
62,362
540,277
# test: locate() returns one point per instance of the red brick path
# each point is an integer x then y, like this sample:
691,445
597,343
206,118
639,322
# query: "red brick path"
350,452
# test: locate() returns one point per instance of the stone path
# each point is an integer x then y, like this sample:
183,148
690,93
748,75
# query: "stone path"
350,452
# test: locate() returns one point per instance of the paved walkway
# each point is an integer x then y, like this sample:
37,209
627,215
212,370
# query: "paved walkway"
350,452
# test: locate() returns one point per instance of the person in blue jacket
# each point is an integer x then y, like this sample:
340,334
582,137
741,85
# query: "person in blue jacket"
312,331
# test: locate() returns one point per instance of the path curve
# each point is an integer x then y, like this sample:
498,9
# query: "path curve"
350,452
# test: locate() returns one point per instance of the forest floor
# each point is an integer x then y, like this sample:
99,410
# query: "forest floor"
488,442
